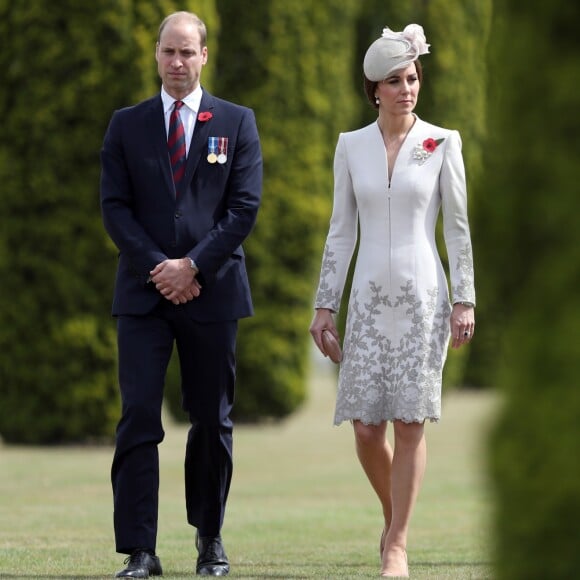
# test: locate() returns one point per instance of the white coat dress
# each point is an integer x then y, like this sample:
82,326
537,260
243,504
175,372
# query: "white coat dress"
397,329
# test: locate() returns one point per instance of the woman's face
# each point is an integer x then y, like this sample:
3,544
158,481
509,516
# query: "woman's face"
398,93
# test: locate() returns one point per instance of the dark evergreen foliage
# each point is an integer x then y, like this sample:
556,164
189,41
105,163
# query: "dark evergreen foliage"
64,68
533,267
291,62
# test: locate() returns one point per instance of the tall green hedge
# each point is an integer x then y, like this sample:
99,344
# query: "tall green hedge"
57,372
291,62
295,63
64,68
533,200
455,97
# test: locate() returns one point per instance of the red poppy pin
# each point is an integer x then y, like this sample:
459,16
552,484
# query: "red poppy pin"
204,116
423,151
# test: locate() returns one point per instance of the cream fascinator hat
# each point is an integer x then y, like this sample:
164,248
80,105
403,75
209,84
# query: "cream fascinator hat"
394,51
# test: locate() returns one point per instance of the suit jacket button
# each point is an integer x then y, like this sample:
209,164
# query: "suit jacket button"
177,214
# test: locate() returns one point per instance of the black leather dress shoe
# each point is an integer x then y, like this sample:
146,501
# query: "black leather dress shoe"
141,564
212,559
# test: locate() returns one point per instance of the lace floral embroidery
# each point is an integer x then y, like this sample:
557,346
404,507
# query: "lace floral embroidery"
326,297
463,288
382,380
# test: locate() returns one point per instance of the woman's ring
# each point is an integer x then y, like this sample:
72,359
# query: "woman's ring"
466,333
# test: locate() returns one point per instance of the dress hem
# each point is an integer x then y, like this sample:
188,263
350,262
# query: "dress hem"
431,419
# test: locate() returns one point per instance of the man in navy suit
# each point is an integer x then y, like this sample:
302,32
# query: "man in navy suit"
181,279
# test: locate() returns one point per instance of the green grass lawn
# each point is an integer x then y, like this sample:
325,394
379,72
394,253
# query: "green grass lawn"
300,506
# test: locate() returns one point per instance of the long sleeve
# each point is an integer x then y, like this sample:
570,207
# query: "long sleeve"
455,222
342,235
118,205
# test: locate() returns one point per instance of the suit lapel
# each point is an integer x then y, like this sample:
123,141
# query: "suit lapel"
198,145
156,122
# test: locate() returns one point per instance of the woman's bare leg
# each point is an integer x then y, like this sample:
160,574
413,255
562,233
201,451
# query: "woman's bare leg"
408,468
376,456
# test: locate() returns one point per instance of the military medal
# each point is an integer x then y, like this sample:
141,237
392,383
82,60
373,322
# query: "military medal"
223,150
212,147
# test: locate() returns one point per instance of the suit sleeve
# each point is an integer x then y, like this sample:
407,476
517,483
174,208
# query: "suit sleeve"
117,204
342,235
243,195
455,223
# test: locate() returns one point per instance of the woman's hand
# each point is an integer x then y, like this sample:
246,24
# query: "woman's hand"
323,320
462,324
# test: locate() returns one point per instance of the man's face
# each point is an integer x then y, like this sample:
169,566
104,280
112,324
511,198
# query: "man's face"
180,57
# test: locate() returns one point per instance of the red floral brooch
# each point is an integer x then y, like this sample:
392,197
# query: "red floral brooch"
204,116
424,150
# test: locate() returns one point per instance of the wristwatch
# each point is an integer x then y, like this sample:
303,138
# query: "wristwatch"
193,265
465,303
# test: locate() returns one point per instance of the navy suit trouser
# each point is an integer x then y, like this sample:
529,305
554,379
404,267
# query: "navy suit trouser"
207,361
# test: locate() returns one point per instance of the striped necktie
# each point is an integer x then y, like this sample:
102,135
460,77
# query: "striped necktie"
176,143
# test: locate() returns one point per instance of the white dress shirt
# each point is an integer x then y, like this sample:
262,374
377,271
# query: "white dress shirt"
188,112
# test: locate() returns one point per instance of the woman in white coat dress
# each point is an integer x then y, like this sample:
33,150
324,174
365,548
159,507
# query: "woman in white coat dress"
392,178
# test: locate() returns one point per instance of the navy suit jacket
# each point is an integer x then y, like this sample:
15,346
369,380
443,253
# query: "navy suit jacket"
207,220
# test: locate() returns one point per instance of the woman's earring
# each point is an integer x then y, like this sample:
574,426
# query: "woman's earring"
377,100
